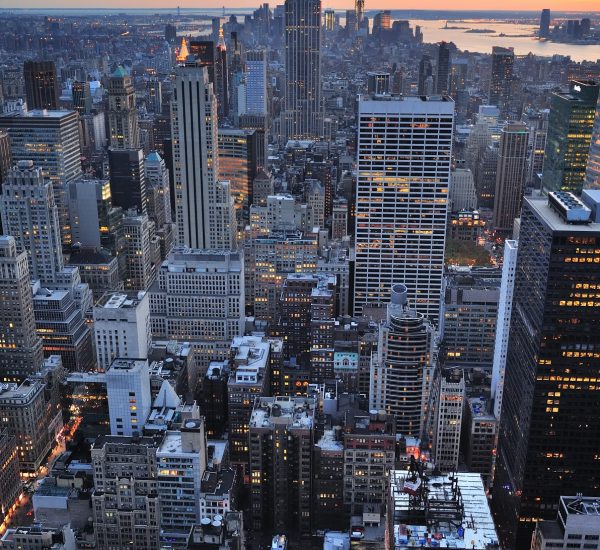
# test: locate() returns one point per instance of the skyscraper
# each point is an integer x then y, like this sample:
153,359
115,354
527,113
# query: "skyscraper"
303,101
82,97
20,348
425,83
51,140
359,9
592,174
41,86
401,202
570,127
544,31
511,175
442,83
122,112
128,179
501,78
204,207
550,419
222,77
30,215
256,82
399,368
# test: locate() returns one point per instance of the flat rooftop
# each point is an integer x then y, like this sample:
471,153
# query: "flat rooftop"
554,221
294,412
119,300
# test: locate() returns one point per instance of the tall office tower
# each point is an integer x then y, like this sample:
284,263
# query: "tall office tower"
486,176
329,20
303,117
181,461
256,82
125,503
470,312
158,190
221,77
5,156
501,78
251,361
549,424
128,179
544,31
403,240
425,75
129,397
121,327
570,128
351,23
592,173
204,207
27,203
10,479
281,441
537,123
462,190
142,252
400,365
511,176
503,323
359,10
21,348
238,164
442,81
378,82
154,95
315,200
82,97
208,309
122,112
51,140
41,85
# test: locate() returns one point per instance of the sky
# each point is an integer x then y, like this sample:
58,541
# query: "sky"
559,5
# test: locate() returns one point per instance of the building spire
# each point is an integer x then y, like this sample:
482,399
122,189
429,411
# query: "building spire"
183,51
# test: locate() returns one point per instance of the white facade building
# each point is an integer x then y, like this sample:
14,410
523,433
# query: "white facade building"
462,190
503,323
403,175
204,206
121,327
129,397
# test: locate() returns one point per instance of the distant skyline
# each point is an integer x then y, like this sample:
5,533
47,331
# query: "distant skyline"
507,5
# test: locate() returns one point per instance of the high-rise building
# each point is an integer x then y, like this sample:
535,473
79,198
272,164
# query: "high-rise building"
544,31
480,430
462,190
592,174
30,214
10,479
125,502
128,179
400,366
503,323
198,297
158,190
378,82
449,389
221,77
303,116
359,10
129,397
154,96
21,348
51,140
393,241
122,112
511,175
537,123
442,81
41,85
570,127
425,82
121,327
238,164
548,424
281,442
256,82
204,206
181,462
142,252
82,97
501,78
470,312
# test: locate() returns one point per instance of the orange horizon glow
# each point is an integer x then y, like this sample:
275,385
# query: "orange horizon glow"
507,5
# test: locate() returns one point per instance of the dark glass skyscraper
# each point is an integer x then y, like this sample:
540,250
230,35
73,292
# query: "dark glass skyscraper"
570,128
41,86
550,423
501,78
443,69
544,24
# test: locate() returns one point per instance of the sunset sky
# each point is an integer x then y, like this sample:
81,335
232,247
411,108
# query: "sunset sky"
562,5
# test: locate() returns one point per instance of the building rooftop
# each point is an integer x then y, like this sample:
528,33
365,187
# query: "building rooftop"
293,412
554,220
329,442
218,484
119,300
